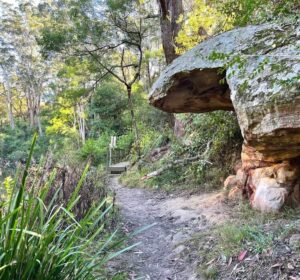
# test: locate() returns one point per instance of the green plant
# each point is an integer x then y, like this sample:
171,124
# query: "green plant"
125,141
96,149
120,276
210,272
243,12
14,144
234,238
221,130
168,181
41,240
131,179
7,184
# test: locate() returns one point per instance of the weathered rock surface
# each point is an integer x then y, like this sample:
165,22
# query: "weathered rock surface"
256,72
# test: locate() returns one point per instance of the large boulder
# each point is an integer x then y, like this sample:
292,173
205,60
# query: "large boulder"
255,71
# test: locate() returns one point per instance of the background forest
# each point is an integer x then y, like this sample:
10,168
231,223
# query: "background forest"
77,72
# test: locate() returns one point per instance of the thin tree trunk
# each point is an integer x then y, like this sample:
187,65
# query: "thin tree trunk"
39,124
30,107
134,123
38,108
9,105
10,109
81,122
149,75
31,116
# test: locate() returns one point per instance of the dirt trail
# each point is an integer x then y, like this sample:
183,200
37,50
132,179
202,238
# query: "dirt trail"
159,256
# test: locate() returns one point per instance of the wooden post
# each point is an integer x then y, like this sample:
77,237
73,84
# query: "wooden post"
112,146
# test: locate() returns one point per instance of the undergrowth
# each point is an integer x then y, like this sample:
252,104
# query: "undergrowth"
220,130
42,239
248,231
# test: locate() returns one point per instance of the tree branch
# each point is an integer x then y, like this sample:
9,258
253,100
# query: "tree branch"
179,162
122,65
105,67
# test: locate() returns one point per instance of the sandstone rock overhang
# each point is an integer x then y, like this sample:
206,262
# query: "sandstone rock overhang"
195,91
255,71
196,81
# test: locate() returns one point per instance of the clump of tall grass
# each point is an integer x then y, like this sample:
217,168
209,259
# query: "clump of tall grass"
40,240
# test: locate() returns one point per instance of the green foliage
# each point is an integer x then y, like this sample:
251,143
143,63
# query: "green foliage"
107,110
202,21
125,141
243,12
118,4
153,124
53,40
95,149
235,238
40,240
131,179
61,121
222,131
169,181
6,190
216,134
209,18
14,144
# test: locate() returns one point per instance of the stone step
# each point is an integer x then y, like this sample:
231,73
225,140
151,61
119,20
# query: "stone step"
118,168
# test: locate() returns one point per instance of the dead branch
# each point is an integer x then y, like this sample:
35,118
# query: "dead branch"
179,162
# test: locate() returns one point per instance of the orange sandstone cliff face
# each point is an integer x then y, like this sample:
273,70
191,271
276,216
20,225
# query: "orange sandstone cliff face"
254,71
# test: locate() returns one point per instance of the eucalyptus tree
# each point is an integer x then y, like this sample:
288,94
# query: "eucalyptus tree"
170,12
7,62
19,28
110,33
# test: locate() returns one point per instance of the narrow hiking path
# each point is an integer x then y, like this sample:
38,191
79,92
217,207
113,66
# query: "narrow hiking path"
160,254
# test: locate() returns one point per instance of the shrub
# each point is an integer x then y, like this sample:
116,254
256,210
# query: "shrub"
236,238
95,149
131,179
65,178
221,130
14,144
124,142
43,240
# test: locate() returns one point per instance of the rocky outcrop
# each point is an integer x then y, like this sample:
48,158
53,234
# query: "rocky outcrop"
255,71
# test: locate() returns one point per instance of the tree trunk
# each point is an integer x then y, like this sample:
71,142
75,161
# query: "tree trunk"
10,109
170,10
30,111
38,108
38,123
175,163
81,121
8,95
134,123
33,100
